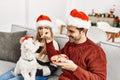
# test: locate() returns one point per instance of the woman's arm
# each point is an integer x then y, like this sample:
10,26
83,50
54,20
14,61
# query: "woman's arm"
45,68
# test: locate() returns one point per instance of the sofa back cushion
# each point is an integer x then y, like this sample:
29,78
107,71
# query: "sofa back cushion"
61,40
112,51
30,31
10,46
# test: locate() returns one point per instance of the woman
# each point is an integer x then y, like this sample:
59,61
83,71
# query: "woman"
46,68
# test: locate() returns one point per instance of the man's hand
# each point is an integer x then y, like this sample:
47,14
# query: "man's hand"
67,64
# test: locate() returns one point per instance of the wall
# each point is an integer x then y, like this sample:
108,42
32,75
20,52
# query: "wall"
54,9
100,6
25,12
12,11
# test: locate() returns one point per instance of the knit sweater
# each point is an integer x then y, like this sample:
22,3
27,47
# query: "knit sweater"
89,57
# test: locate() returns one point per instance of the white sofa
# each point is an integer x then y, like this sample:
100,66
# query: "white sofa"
112,51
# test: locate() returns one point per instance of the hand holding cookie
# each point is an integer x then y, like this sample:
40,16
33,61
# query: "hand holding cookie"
59,58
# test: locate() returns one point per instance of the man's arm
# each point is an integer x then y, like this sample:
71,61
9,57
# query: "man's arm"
96,67
50,49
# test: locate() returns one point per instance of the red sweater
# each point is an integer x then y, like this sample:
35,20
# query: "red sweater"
89,57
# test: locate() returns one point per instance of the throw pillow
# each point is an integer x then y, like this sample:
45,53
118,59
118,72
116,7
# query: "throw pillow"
10,46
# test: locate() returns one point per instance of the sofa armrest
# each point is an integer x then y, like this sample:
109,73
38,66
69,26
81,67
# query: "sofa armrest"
112,51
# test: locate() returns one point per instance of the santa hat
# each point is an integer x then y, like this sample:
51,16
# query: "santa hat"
79,19
43,20
27,37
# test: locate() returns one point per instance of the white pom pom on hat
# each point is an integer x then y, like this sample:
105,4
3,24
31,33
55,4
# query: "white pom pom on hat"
43,20
79,19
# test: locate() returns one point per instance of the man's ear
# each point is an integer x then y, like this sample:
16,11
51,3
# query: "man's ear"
83,31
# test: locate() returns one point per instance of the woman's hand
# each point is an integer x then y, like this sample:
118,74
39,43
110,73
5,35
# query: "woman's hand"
67,64
47,35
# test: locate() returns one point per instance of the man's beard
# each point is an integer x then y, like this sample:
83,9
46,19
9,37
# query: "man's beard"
73,39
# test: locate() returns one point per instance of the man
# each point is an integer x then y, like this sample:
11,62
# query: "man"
87,61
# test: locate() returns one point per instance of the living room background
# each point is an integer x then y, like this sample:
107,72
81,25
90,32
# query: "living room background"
25,12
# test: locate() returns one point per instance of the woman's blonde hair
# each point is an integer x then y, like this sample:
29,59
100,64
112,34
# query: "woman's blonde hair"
42,40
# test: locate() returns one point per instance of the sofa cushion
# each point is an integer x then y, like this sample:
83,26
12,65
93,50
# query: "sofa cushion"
53,77
5,66
112,51
9,45
61,40
30,31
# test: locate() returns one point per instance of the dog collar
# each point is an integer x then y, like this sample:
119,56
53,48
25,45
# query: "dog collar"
29,60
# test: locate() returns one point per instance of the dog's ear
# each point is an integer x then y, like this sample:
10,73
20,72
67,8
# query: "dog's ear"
25,38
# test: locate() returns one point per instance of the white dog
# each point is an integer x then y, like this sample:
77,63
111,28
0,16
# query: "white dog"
27,64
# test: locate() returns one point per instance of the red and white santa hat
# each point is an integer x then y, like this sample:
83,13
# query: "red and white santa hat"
79,19
43,20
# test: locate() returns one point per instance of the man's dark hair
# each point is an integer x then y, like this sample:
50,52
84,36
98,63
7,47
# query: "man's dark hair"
82,29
